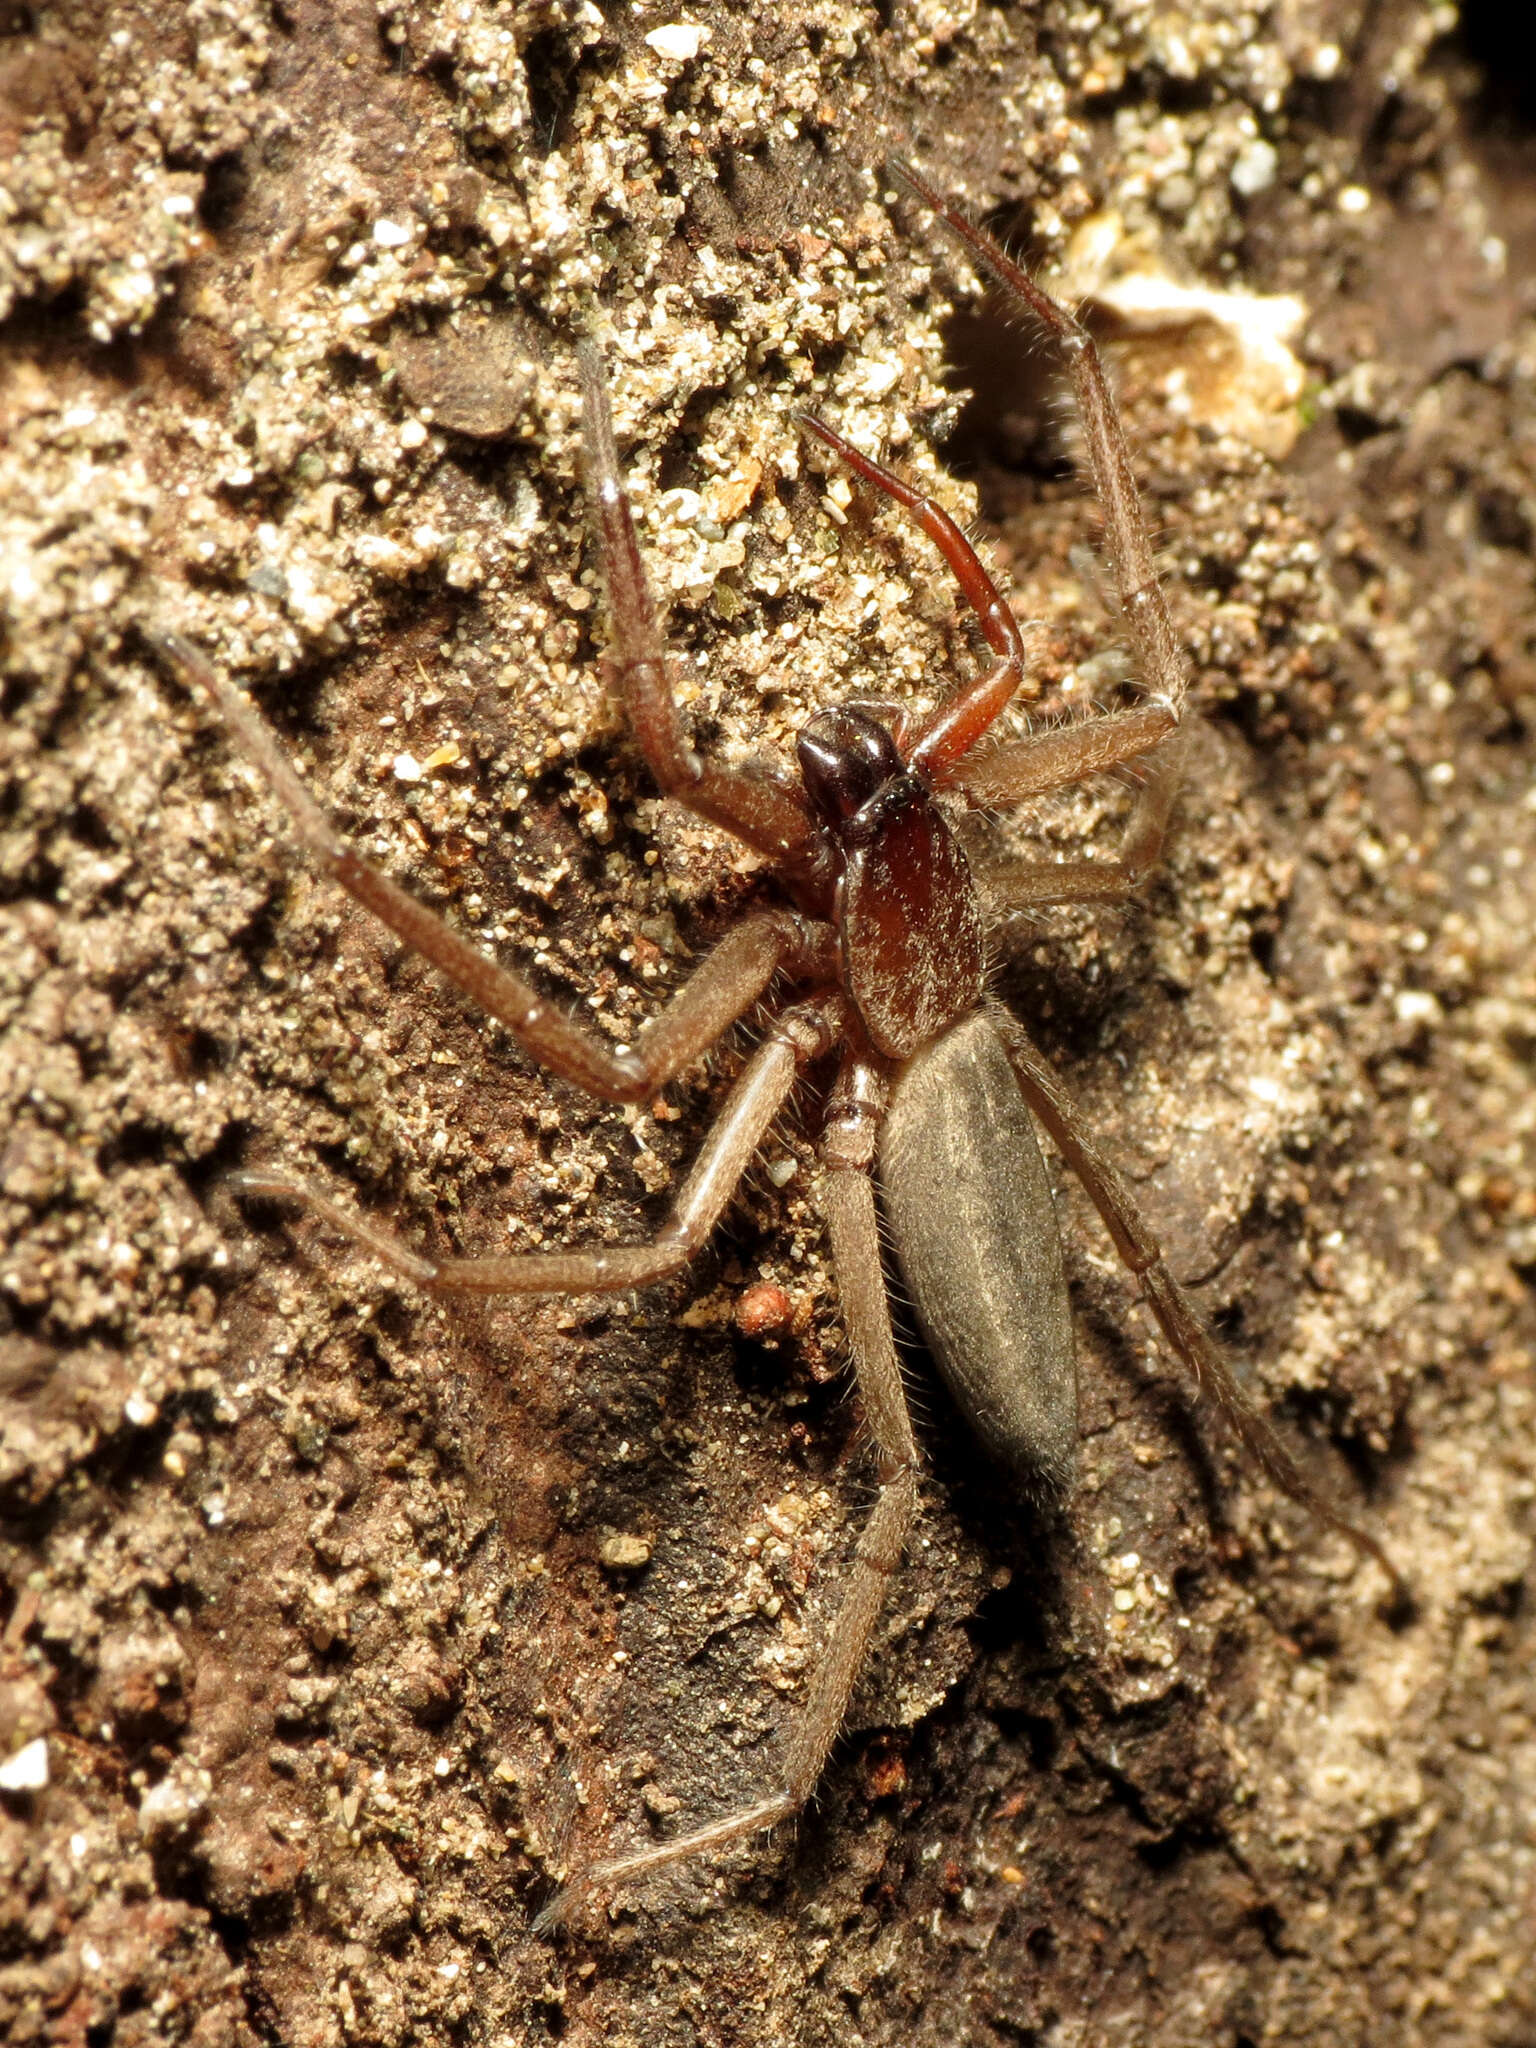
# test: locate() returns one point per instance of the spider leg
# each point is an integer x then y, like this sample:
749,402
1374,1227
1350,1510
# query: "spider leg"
1191,1343
797,1037
1026,884
962,719
848,1153
1012,772
767,814
1010,885
1060,755
723,989
1126,540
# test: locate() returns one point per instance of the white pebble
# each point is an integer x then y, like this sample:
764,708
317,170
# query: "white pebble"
680,41
27,1769
1254,170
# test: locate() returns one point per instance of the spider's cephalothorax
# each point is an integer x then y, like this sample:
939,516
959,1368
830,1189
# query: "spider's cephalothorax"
909,924
937,1089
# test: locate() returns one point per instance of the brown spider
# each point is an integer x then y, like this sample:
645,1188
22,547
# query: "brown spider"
935,1084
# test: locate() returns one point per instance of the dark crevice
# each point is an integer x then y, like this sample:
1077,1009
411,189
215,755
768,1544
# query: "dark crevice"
551,71
1497,39
225,186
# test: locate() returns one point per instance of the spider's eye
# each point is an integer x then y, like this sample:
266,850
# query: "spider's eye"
845,757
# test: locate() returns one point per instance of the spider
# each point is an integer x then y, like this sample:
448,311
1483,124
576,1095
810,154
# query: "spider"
882,924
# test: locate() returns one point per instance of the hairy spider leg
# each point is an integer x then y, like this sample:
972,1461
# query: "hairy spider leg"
1044,761
733,978
1028,884
766,813
848,1153
966,714
1151,730
1177,1317
1029,767
795,1038
1126,540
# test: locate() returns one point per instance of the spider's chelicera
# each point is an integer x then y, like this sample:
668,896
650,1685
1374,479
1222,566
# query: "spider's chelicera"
884,931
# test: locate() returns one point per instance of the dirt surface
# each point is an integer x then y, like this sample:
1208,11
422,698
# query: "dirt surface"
339,1628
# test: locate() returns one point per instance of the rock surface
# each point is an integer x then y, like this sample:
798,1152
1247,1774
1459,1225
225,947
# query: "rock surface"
348,1625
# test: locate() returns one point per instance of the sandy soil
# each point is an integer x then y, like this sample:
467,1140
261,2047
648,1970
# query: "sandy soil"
338,1628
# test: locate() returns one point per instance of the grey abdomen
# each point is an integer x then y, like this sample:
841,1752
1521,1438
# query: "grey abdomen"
974,1226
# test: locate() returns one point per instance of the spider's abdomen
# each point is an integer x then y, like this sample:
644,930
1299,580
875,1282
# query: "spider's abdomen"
970,1211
